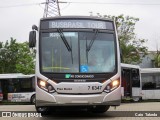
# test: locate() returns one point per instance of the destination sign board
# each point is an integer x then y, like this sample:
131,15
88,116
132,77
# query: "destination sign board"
93,24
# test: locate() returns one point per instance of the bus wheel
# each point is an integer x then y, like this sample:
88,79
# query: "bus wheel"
43,110
137,99
100,109
33,99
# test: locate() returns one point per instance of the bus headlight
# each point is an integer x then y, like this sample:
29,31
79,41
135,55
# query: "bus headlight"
115,83
112,86
45,86
42,83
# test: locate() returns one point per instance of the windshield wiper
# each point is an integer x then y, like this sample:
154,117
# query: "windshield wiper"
64,39
91,43
93,39
86,50
65,42
71,50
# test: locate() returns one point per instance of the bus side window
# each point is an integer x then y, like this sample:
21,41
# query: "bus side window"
16,85
148,81
11,87
26,85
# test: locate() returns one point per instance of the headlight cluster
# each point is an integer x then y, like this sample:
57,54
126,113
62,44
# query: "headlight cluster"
45,86
112,86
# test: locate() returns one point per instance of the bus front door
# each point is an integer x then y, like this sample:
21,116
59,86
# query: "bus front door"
127,83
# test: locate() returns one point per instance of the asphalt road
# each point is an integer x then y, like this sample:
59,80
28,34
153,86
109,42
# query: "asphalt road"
127,111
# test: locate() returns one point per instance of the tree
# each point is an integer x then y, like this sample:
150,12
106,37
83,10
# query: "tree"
8,56
157,59
16,57
25,60
132,48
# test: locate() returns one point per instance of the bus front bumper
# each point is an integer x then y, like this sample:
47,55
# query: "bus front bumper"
46,99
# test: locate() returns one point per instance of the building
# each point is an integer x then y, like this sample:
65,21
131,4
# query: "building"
148,60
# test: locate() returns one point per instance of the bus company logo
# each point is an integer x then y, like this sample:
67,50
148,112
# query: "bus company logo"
67,75
78,76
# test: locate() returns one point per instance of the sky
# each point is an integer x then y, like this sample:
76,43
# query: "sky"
18,16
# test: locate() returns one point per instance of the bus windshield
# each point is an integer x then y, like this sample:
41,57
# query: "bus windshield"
87,52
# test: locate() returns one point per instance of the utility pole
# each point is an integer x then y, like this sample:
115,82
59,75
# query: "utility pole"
51,8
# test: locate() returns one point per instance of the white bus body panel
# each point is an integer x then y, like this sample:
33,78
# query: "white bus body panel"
122,91
136,92
71,97
150,94
15,75
45,99
20,97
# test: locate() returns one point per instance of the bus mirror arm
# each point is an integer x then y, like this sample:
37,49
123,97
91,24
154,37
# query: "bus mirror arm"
34,27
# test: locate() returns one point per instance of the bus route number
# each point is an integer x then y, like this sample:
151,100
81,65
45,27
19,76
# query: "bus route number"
94,87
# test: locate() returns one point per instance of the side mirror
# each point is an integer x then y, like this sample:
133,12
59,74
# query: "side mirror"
32,39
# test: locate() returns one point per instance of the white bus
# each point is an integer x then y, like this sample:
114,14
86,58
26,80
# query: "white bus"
150,83
77,63
18,87
131,82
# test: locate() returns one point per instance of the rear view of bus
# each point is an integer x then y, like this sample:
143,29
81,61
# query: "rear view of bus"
77,63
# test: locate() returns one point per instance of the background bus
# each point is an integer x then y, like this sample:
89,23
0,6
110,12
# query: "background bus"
18,87
131,82
150,83
77,63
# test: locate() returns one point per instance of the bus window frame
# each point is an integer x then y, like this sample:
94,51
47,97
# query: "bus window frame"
144,82
78,30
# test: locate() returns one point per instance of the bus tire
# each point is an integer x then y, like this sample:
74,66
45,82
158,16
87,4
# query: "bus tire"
100,108
137,99
33,99
43,110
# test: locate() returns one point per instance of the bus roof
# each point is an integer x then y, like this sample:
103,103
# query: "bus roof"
15,75
150,70
76,17
130,66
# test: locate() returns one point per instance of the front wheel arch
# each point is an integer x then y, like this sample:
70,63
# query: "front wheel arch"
33,99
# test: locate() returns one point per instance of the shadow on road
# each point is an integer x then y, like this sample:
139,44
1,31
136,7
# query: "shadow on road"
78,114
